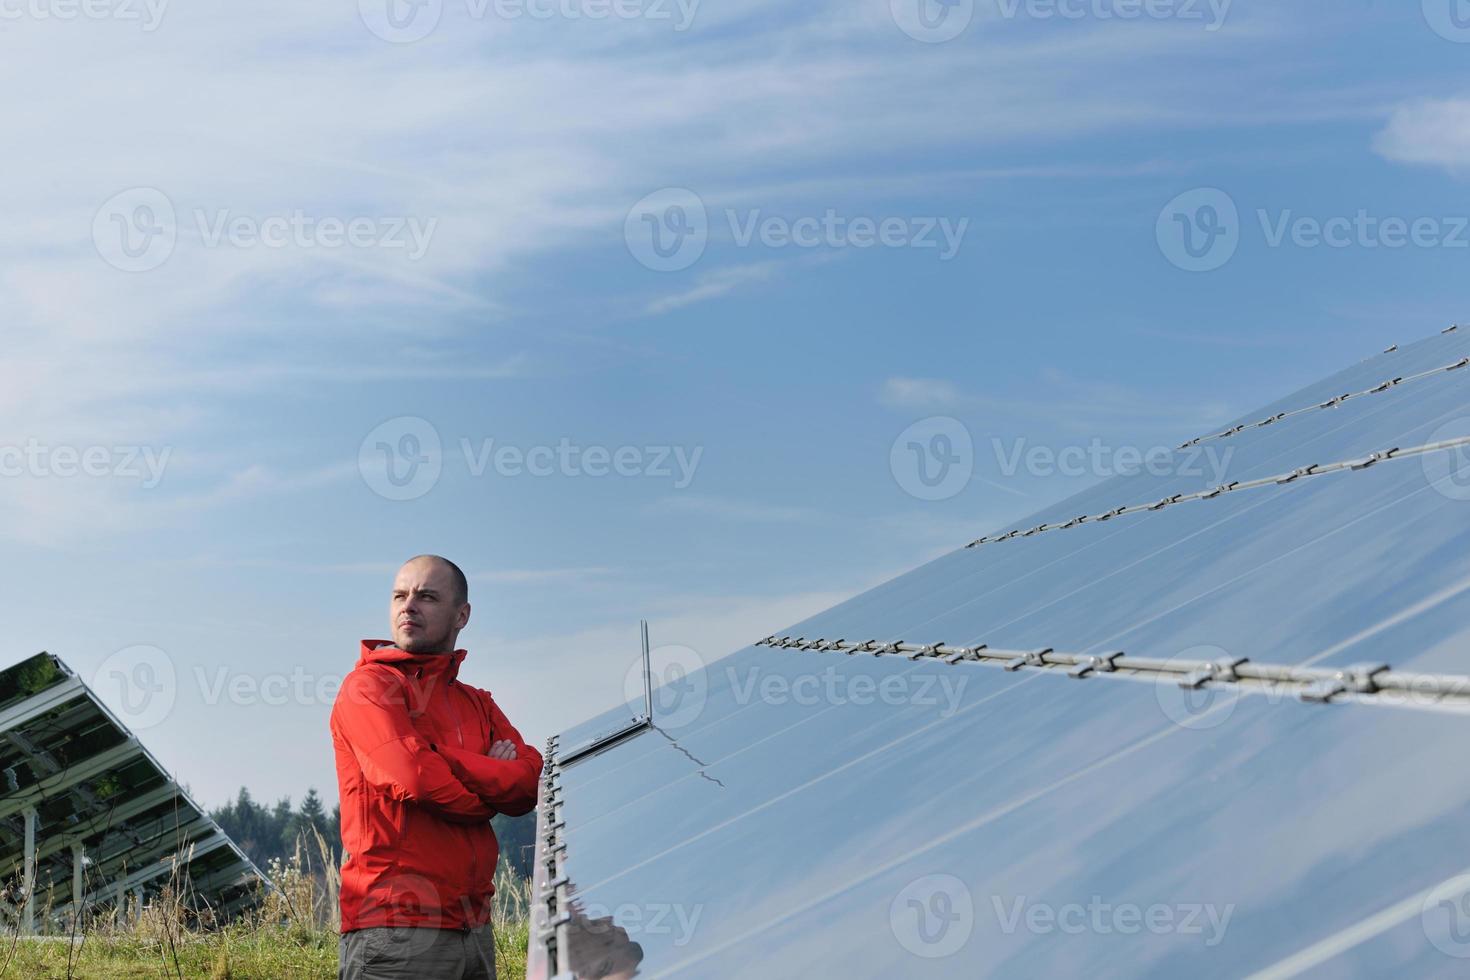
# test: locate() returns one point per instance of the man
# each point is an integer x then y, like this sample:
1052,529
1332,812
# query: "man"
423,762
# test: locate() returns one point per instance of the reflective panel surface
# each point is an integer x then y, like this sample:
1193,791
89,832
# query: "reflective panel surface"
835,814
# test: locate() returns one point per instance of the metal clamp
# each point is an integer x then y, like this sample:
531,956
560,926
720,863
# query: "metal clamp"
932,650
1385,386
1368,461
1222,488
1357,679
1273,419
1101,664
1036,658
965,653
1297,474
1216,670
1334,402
1462,362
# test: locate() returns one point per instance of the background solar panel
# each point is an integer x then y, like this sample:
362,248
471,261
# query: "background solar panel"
91,785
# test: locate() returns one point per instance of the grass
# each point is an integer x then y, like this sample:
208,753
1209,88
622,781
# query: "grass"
292,935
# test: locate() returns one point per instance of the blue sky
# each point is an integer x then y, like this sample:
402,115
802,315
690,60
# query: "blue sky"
261,378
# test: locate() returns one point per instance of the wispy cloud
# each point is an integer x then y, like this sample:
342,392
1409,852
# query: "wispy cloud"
923,395
714,284
731,509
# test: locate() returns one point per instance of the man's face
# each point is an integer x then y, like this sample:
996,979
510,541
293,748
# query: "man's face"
426,614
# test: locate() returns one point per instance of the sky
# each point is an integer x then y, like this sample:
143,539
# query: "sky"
708,313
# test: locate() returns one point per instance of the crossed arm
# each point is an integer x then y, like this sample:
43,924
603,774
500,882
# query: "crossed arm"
457,785
507,779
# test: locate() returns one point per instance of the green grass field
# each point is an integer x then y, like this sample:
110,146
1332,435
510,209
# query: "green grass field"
235,952
292,935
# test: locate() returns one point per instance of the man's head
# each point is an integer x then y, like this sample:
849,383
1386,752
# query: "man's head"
430,605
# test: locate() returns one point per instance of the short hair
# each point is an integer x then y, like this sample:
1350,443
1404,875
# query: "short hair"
461,584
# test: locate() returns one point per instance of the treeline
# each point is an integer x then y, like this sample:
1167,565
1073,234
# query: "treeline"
266,832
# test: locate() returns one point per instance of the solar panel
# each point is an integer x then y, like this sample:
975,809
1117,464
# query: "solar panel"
1202,719
99,817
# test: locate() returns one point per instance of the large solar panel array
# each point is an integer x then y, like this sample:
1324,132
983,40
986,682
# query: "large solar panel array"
1192,721
104,823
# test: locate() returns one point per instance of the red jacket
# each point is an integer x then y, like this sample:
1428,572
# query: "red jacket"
418,790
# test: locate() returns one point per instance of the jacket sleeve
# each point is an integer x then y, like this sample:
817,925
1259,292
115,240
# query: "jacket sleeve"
371,716
508,785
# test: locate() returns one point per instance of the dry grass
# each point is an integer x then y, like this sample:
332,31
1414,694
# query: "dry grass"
292,933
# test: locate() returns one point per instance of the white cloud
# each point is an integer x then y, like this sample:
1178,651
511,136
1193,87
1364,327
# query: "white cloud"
1434,132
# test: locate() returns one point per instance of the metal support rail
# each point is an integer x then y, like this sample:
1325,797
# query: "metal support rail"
1334,402
1319,685
546,958
1316,469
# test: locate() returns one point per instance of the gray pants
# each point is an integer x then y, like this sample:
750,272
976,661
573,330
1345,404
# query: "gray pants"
403,953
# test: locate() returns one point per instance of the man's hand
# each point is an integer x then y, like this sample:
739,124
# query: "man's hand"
503,749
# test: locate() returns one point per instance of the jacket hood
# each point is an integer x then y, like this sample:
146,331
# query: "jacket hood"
384,652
